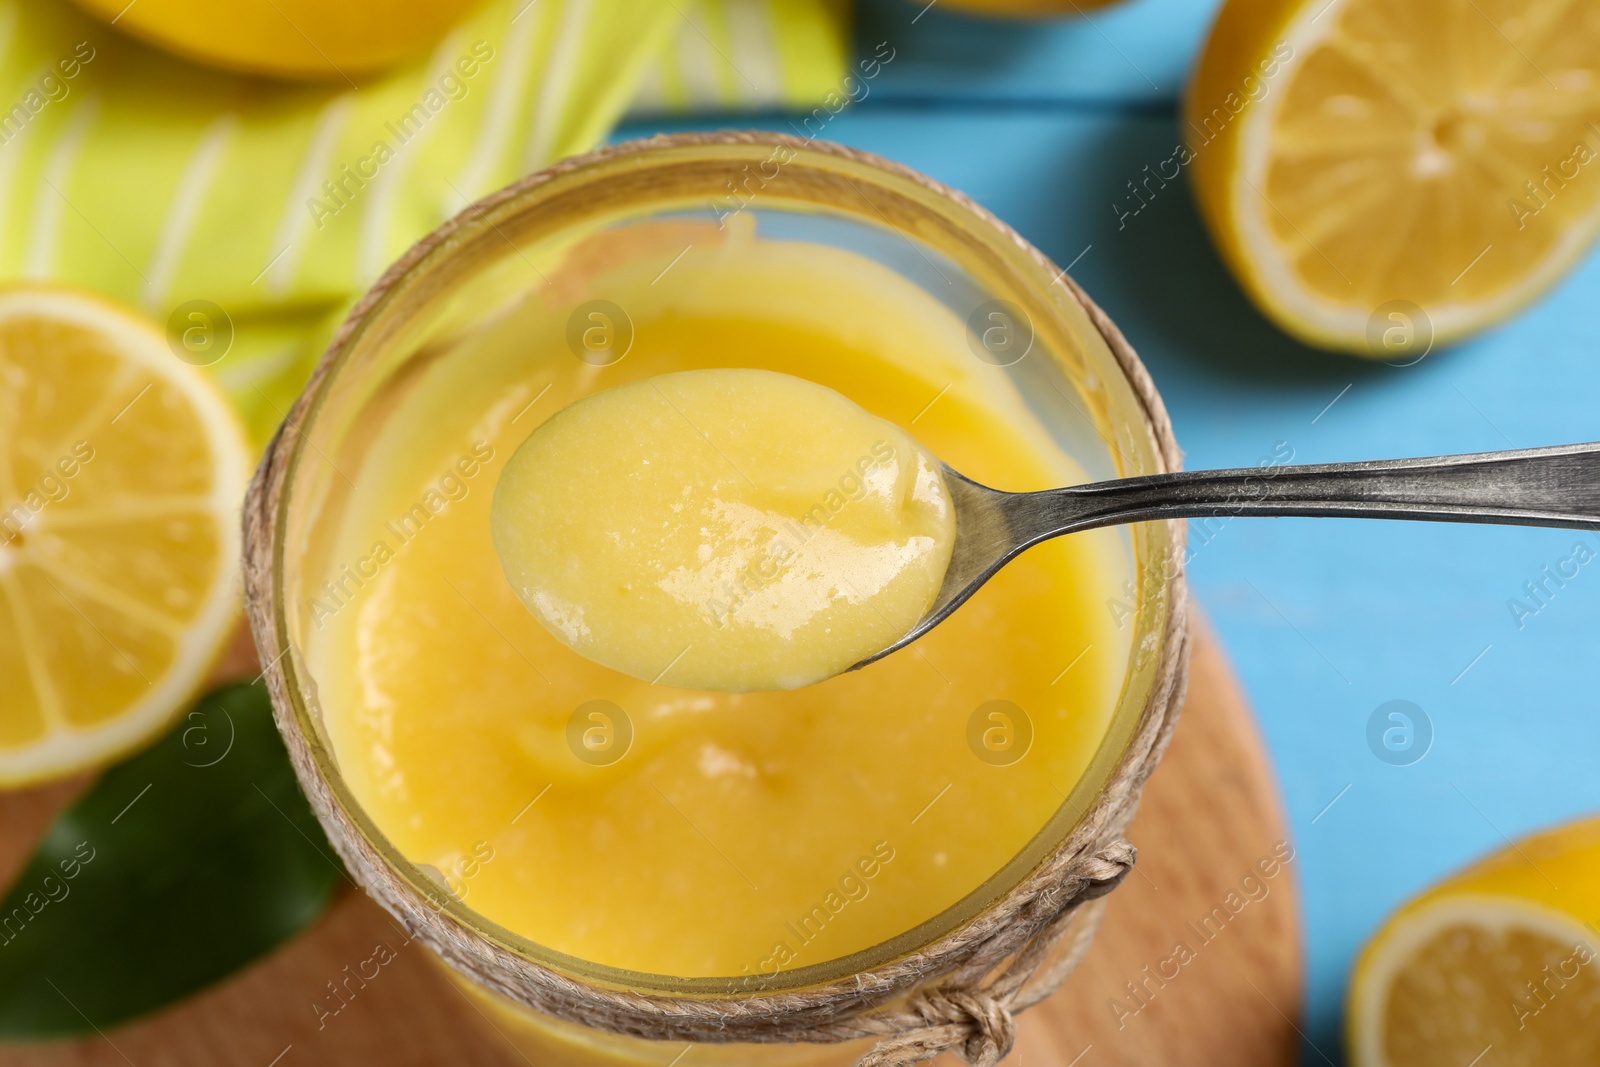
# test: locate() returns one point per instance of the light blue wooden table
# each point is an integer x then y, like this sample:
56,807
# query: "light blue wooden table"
1325,619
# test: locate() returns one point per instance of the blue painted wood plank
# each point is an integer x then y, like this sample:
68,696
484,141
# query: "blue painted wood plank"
1135,51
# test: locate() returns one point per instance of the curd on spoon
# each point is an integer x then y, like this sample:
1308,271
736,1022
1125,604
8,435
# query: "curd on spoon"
725,529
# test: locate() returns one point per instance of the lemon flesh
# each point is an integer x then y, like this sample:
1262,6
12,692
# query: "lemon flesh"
733,529
288,38
121,473
1439,156
1497,967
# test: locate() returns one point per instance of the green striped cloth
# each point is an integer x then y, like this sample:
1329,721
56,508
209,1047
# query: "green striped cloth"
733,54
157,182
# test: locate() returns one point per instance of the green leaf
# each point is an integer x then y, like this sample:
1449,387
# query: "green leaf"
177,868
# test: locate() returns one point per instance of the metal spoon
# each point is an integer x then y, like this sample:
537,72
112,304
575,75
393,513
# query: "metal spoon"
1557,486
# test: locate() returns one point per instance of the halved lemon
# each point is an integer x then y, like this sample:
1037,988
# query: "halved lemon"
122,469
1497,967
1381,175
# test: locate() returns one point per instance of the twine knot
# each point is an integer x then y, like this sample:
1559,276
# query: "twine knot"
978,1022
1105,869
973,1023
991,1030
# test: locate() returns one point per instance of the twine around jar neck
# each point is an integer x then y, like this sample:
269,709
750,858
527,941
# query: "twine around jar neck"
961,992
978,1021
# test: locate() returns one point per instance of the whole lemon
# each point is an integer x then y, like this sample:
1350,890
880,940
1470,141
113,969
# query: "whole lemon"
288,38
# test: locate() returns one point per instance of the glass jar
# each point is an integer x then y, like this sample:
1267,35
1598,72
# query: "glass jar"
601,213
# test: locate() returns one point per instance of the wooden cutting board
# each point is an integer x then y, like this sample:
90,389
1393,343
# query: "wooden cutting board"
1198,963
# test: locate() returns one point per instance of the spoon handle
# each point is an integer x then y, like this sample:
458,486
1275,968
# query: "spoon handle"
1557,486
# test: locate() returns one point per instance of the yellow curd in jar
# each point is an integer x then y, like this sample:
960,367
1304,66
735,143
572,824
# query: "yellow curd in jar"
672,830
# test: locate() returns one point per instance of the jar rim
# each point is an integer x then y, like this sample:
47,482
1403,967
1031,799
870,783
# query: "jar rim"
541,977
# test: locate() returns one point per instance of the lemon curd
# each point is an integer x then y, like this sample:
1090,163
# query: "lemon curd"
729,529
671,830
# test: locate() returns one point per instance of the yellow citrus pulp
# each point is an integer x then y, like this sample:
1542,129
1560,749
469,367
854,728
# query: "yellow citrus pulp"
672,830
1498,966
288,38
121,473
1380,175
